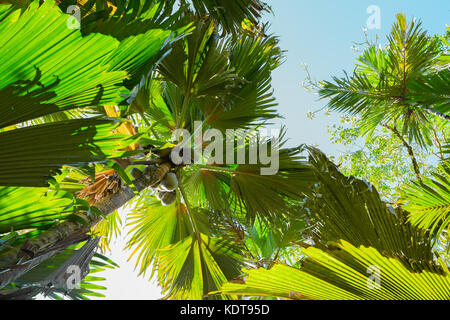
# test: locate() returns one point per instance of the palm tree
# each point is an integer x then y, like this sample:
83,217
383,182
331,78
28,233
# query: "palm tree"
88,122
360,247
218,79
403,86
44,85
224,84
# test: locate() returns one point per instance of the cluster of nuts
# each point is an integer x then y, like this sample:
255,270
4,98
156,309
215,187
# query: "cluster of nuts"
166,190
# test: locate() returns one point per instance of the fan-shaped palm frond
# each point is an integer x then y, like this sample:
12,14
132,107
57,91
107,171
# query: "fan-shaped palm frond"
244,190
188,262
102,16
153,227
44,78
31,208
362,250
432,92
195,266
231,14
429,201
223,84
107,229
32,155
346,208
344,273
122,19
199,67
250,102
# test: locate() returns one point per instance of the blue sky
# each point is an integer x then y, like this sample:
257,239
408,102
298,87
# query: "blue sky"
319,33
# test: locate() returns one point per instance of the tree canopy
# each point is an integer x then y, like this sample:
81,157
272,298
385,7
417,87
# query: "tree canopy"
158,107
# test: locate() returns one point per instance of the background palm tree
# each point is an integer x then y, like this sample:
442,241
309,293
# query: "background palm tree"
404,88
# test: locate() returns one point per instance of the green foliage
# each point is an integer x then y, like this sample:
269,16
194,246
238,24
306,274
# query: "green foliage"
34,154
355,235
188,262
118,16
223,83
167,68
49,74
399,95
396,84
28,208
195,266
153,227
108,229
243,190
346,208
231,14
429,201
381,158
343,274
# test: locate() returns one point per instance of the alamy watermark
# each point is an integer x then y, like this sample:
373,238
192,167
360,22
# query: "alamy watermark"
74,21
374,280
374,20
74,277
213,147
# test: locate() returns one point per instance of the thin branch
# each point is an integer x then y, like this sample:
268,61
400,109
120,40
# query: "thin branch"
408,148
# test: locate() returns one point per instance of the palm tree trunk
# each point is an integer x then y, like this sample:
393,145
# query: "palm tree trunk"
408,148
59,237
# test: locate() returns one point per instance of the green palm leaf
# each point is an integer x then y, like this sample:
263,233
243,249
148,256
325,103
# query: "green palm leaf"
153,227
343,274
188,262
250,102
32,155
242,188
429,201
51,278
356,237
46,76
103,15
199,67
346,208
107,229
29,208
195,266
231,14
122,19
70,70
432,91
224,84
